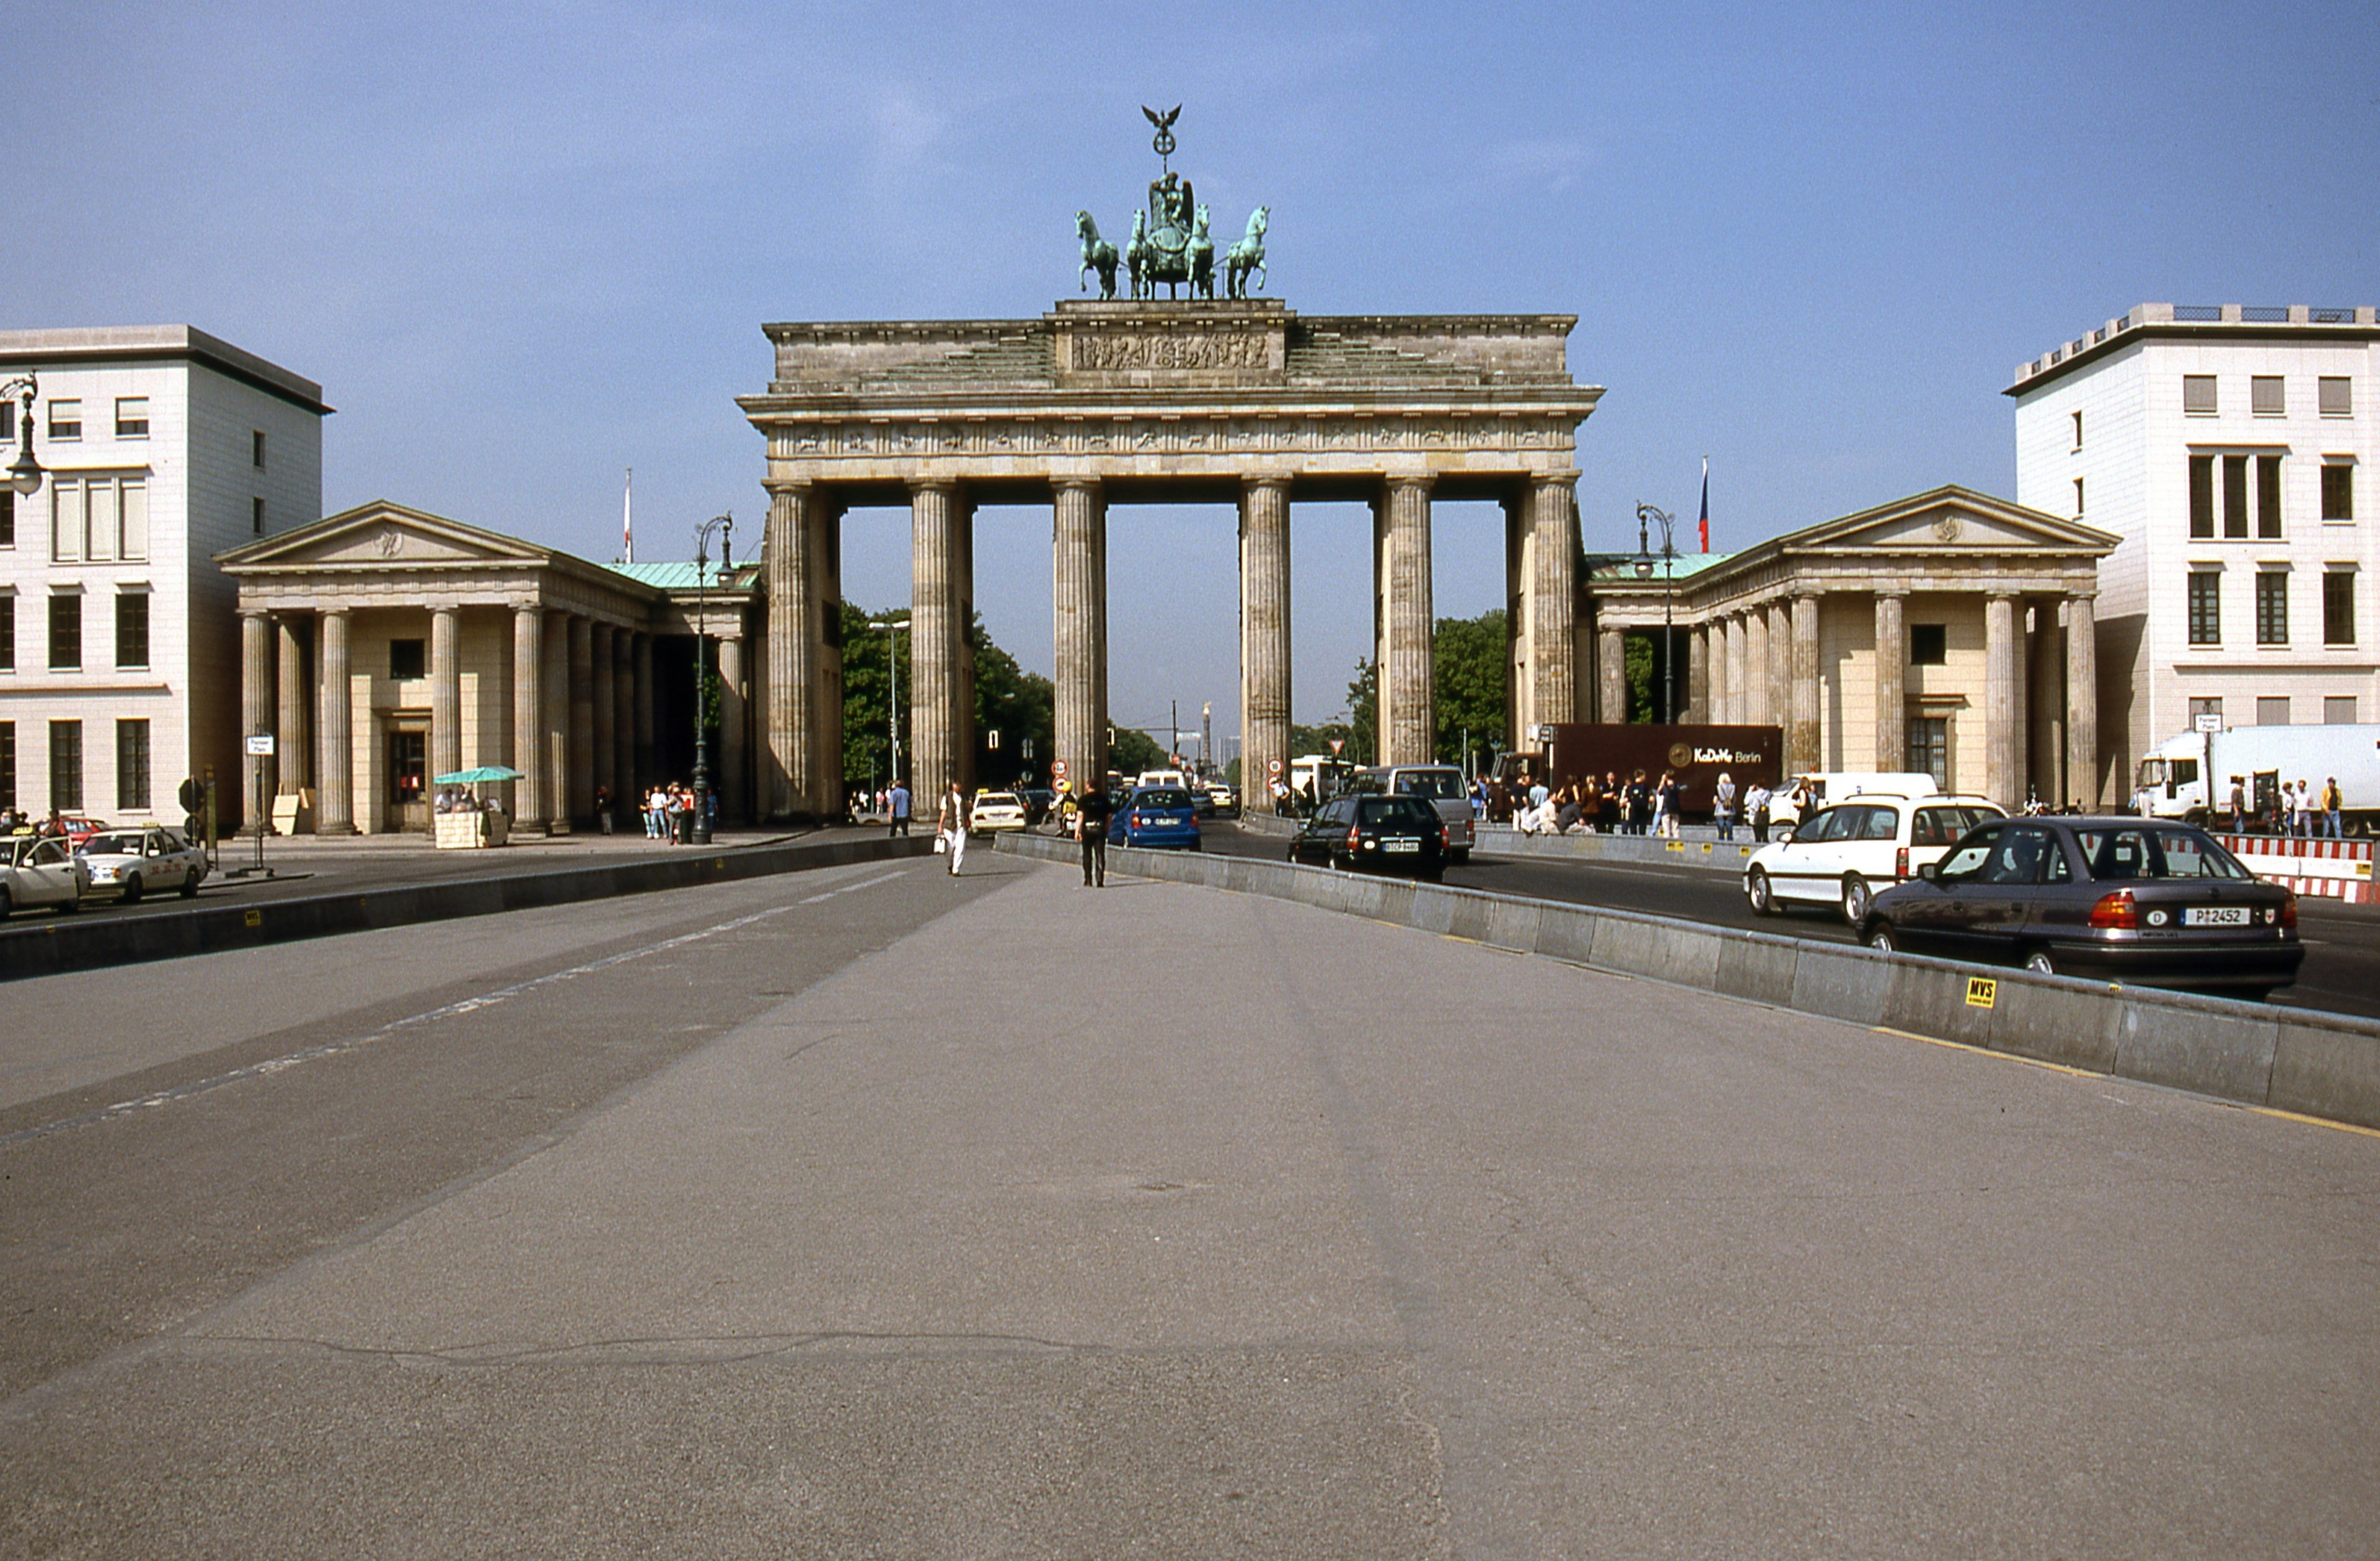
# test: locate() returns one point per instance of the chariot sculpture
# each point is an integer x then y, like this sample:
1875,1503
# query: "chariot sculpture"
1172,241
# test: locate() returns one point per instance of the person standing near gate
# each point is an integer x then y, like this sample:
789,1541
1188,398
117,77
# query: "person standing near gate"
897,805
951,824
1091,815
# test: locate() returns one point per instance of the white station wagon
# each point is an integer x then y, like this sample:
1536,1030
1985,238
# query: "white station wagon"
1842,855
39,871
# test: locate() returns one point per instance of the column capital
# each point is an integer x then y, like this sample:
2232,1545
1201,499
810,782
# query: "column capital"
1070,482
1264,482
789,487
1423,481
920,485
1565,478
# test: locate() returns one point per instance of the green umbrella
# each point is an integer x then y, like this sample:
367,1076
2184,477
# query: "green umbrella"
484,773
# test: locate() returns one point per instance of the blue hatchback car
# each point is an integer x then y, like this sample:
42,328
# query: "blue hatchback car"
1161,816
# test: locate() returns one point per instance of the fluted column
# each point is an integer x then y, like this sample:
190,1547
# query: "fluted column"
624,719
256,717
603,706
582,717
2001,701
786,576
553,730
1891,693
295,770
529,715
1553,597
1264,687
1408,722
937,727
822,521
1611,675
1698,675
1780,671
644,768
1715,678
729,778
1752,707
2082,706
1802,739
334,765
1078,627
445,692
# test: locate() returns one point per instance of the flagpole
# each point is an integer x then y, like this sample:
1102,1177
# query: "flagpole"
627,513
1705,519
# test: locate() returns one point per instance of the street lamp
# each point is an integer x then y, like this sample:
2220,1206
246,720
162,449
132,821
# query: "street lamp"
25,472
890,628
1644,513
723,527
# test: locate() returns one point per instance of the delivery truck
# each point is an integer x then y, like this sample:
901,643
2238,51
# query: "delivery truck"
2172,781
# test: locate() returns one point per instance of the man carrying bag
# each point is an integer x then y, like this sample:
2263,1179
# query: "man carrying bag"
1091,815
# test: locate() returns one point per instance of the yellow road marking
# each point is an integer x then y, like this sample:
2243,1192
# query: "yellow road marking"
2314,1121
1987,1051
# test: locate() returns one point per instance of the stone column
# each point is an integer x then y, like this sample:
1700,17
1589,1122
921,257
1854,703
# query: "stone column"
624,722
603,706
962,619
2001,701
938,727
1801,738
1739,658
1408,722
729,776
582,717
2041,760
1264,637
822,522
1078,626
1754,707
1715,683
2083,708
334,764
529,715
1698,675
295,771
1553,597
786,577
553,730
1780,671
256,713
1891,672
445,692
643,768
1610,676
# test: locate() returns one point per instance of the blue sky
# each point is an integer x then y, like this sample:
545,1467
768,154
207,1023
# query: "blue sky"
524,247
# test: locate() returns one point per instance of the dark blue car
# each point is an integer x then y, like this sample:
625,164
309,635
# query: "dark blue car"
1160,816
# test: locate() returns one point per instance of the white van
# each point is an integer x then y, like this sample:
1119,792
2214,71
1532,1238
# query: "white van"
1179,779
1439,784
1833,786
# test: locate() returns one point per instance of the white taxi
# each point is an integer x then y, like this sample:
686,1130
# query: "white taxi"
133,861
38,869
995,811
1842,855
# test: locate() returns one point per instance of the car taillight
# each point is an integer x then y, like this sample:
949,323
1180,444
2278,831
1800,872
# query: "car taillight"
1354,838
2116,910
2290,914
1901,862
1445,837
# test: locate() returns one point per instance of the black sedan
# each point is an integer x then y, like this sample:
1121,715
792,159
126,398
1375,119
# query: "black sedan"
1401,835
2122,898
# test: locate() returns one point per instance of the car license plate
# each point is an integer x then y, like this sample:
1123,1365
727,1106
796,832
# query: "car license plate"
2216,916
1400,845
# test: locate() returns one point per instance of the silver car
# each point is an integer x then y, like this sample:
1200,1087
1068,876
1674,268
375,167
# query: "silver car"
39,871
133,861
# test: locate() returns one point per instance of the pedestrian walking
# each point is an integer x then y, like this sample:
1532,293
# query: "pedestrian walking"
1723,805
603,808
2331,804
1756,808
2239,805
1091,815
951,825
897,805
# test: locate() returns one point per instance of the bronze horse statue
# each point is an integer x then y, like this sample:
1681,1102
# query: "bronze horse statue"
1248,255
1097,255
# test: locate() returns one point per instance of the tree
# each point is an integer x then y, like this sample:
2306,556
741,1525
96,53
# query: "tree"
1468,655
1363,715
1020,706
867,694
1637,662
1133,750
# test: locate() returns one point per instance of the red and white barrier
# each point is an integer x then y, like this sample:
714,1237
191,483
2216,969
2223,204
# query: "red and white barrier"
2338,870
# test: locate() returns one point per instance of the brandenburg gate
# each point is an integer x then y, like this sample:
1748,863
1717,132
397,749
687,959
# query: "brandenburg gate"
1146,401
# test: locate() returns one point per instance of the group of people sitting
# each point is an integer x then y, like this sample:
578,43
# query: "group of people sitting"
1636,806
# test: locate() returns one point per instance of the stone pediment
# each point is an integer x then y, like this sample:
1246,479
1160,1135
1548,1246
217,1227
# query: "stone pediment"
384,536
1950,521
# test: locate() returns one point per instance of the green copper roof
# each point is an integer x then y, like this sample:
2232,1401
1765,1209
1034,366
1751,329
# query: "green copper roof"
1622,566
676,574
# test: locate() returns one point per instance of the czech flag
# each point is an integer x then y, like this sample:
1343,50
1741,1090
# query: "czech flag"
1705,519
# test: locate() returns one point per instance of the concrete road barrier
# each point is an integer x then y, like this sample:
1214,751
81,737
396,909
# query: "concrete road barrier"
2316,1065
64,943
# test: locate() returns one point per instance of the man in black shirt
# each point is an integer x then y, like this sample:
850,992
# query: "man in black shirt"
1091,814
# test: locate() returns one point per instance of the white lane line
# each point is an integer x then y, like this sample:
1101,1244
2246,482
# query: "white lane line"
451,1010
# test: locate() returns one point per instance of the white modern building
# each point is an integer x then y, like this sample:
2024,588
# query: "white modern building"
119,637
2228,448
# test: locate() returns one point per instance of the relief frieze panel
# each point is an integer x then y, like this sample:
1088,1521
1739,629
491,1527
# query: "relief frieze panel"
1007,439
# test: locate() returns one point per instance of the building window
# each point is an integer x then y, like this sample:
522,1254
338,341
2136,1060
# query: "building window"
256,449
2272,607
65,766
2273,710
132,766
1929,644
2339,489
2204,707
2078,430
2078,498
132,629
66,422
2268,497
99,518
1929,748
2339,608
408,658
2198,395
2205,607
2235,496
132,417
2201,497
2266,395
2338,709
8,515
2336,393
8,764
256,515
66,632
7,632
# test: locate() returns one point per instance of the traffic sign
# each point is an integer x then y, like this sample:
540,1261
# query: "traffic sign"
1273,765
2207,721
1057,769
1338,745
193,796
261,745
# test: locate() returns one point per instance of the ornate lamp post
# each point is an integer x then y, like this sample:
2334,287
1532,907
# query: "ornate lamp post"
723,527
25,472
1648,513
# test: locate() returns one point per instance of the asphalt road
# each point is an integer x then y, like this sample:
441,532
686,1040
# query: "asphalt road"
2341,974
865,1213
